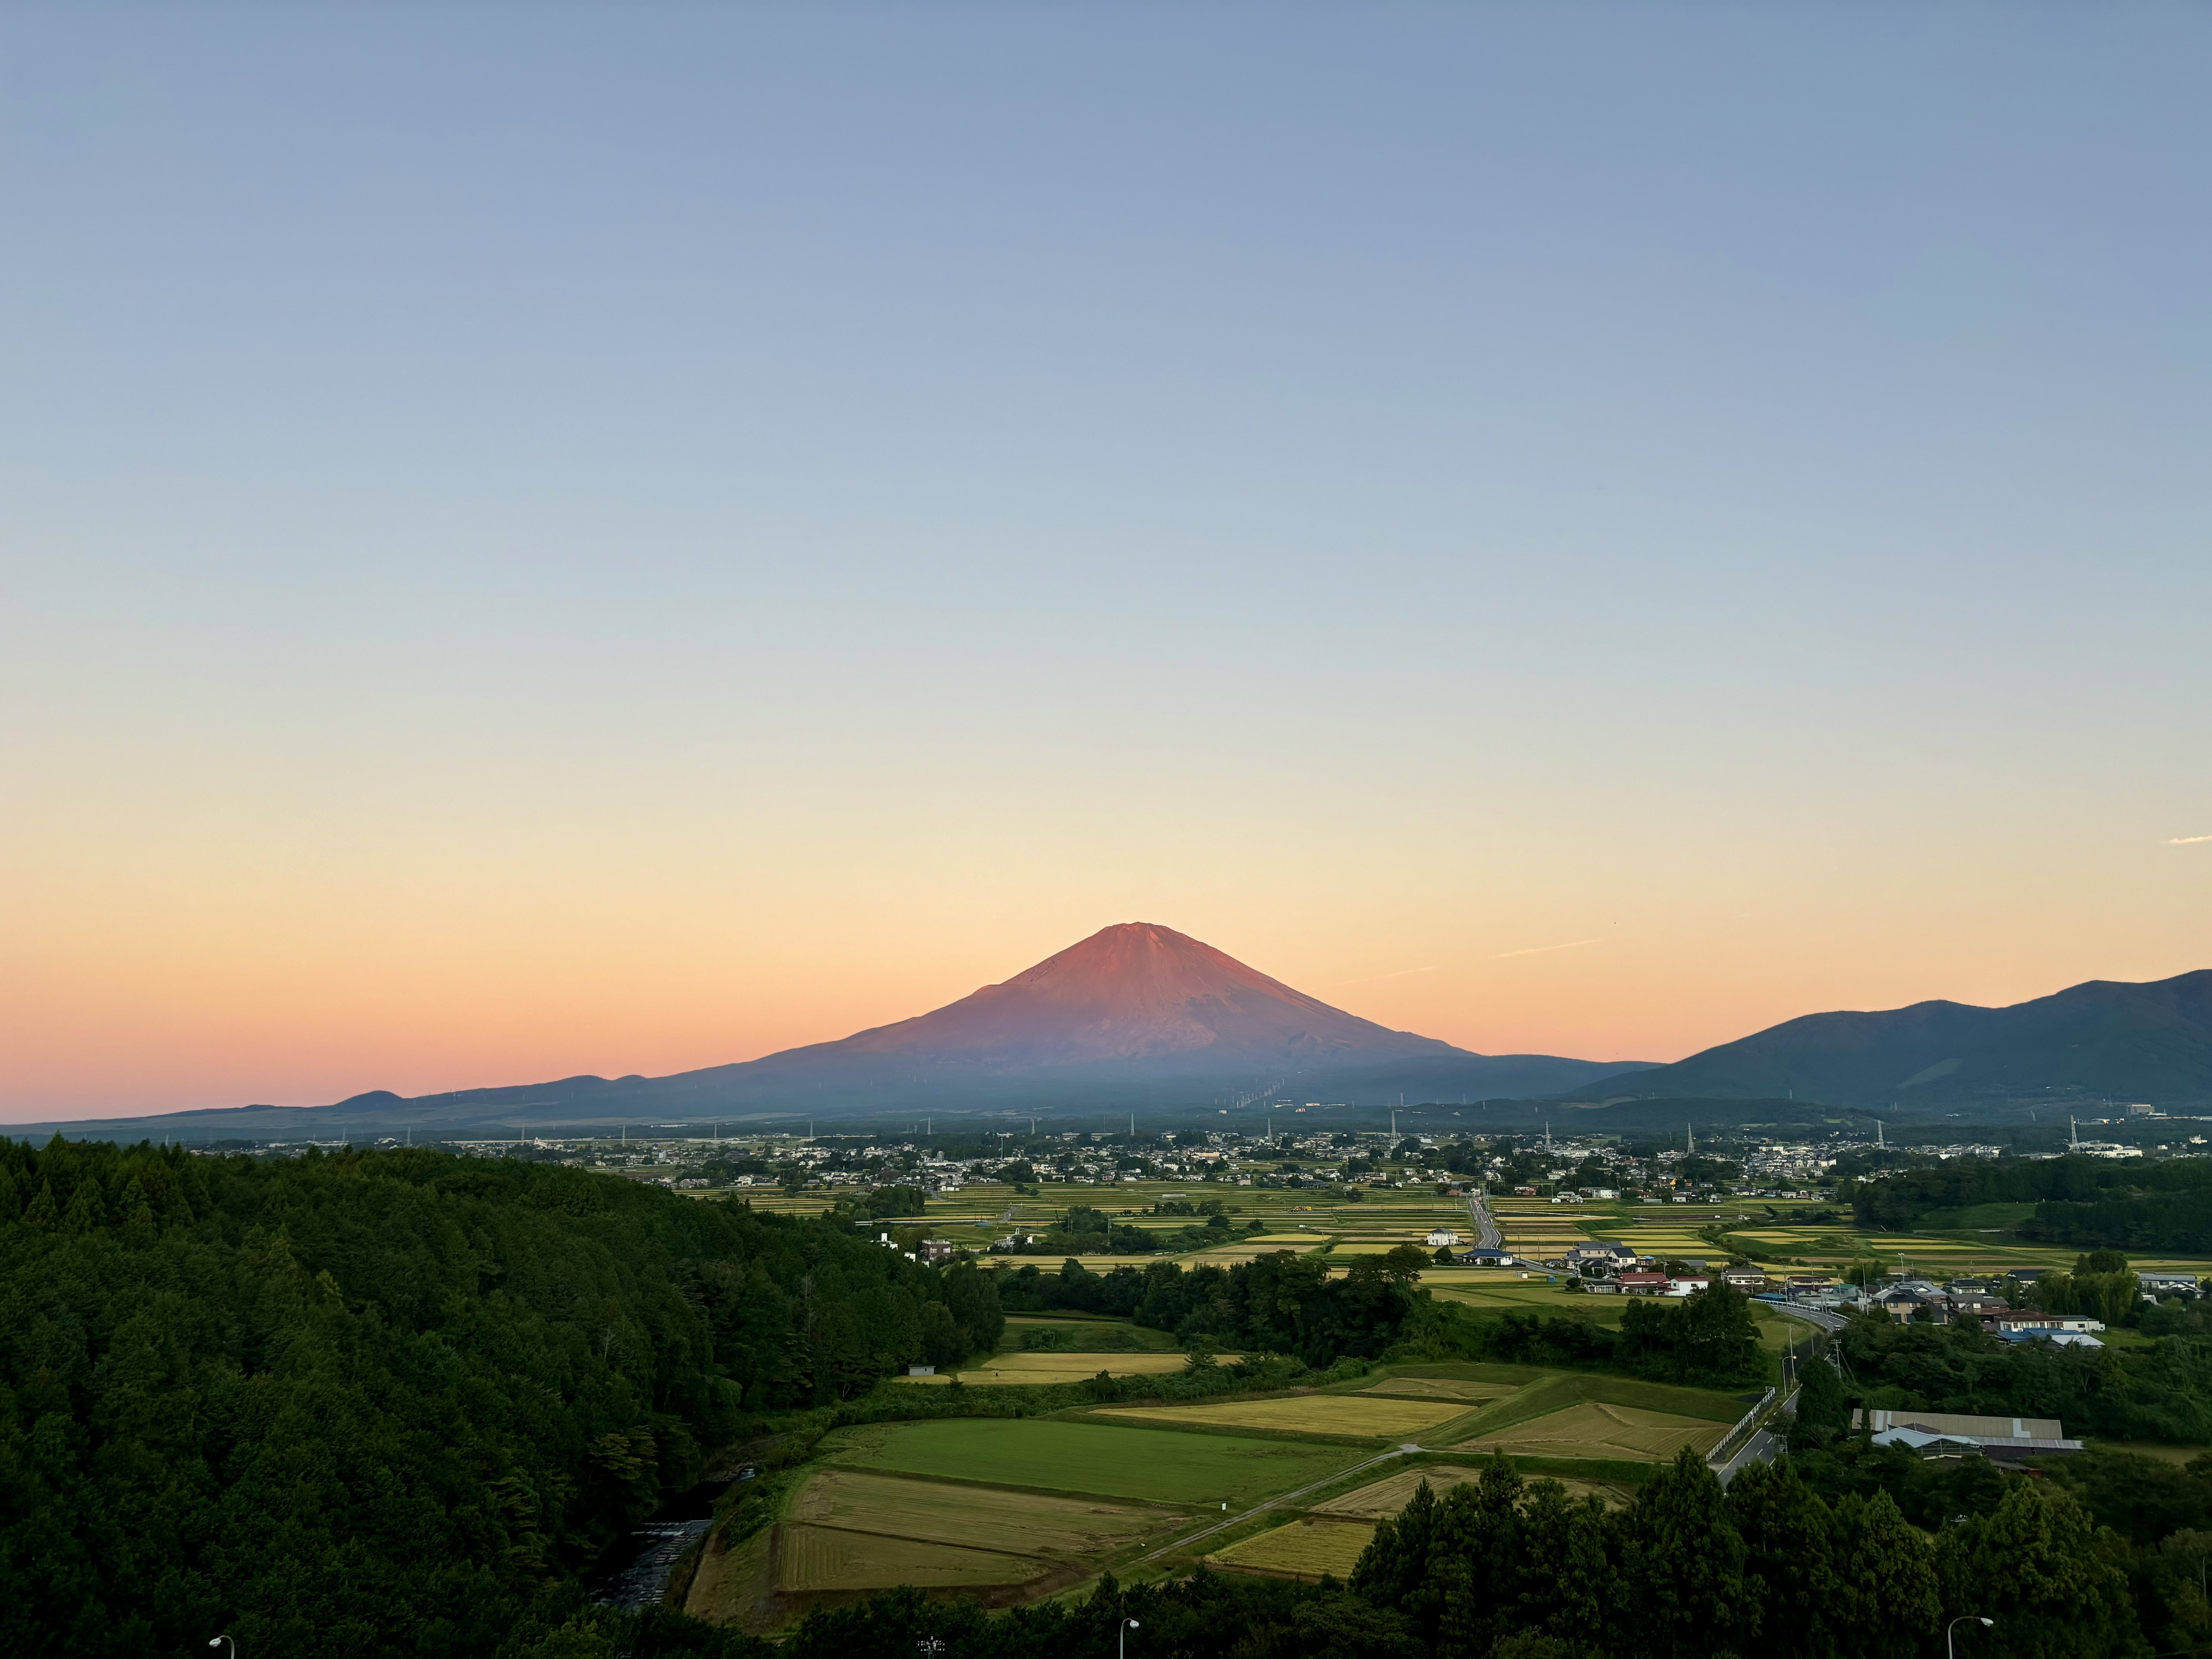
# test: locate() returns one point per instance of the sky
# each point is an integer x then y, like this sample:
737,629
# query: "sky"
537,540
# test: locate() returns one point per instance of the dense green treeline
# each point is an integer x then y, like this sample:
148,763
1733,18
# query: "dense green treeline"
388,1401
1281,1302
1284,1302
1706,1337
2160,1392
1506,1568
2088,1203
2154,1220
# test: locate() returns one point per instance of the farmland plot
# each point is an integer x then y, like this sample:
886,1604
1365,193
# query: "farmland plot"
1392,1492
1338,1413
1307,1548
978,1517
826,1558
1437,1388
1596,1429
1108,1459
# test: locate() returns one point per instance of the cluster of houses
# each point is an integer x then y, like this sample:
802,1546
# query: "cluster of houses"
1611,1269
1606,1269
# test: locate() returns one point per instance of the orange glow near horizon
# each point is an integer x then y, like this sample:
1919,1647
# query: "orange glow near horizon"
217,986
739,524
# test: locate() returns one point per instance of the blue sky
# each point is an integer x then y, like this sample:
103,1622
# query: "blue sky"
607,538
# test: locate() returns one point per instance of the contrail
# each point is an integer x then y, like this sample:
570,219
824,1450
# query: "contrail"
2186,840
1572,943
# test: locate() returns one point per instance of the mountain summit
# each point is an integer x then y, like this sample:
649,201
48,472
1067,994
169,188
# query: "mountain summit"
1136,991
1135,1016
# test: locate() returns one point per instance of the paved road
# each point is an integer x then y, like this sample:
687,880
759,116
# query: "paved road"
1272,1502
1764,1447
1819,1316
1761,1448
1486,1236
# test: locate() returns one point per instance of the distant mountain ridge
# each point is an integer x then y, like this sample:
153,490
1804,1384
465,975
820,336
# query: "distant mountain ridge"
2105,1039
1136,1016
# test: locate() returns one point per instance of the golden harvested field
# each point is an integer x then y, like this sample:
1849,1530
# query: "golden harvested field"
1437,1388
1392,1492
825,1558
1313,1414
1021,1523
1309,1548
1594,1429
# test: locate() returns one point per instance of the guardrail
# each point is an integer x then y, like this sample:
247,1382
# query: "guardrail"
1729,1441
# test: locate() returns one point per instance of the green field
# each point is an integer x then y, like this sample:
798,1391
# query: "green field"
1436,1388
1554,1391
1313,1414
1108,1459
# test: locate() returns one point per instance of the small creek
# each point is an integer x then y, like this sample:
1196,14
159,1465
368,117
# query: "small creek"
633,1574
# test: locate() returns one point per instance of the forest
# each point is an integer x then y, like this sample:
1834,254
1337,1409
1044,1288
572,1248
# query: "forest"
390,1402
393,1402
2085,1202
1512,1567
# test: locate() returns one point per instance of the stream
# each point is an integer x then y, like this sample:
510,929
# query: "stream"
635,1574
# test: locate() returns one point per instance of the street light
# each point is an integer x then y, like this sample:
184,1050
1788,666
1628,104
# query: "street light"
1121,1638
217,1641
1956,1622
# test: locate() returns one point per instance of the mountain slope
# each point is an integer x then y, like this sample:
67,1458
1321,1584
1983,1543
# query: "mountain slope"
1134,991
2104,1039
1137,1016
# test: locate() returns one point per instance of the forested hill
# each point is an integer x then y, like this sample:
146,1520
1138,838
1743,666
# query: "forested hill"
2105,1038
389,1402
2120,1203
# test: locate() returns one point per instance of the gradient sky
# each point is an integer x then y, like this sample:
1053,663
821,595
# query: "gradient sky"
540,540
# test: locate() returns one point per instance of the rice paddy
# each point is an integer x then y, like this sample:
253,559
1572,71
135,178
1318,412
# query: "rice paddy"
1436,1387
1392,1492
826,1558
1306,1548
1317,1413
1594,1429
1035,1369
976,1517
1110,1460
